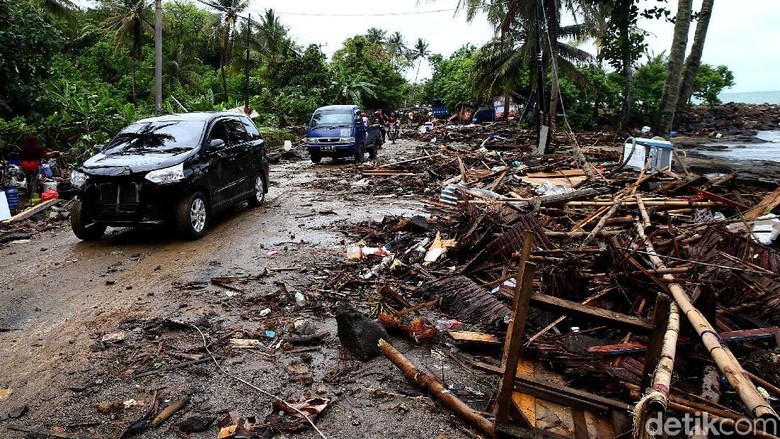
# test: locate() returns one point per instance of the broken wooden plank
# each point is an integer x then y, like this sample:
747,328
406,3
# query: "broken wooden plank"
769,203
31,211
574,309
768,333
474,337
721,199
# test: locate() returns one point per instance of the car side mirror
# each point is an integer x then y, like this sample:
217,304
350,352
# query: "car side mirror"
216,144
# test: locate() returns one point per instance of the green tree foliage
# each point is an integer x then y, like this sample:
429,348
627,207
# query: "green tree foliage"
365,75
710,82
28,40
452,79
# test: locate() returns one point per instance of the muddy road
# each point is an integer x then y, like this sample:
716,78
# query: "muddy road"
62,301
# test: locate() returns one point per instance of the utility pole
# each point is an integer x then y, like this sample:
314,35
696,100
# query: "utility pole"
542,130
158,56
246,68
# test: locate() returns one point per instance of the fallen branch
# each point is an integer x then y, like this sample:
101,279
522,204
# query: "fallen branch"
429,383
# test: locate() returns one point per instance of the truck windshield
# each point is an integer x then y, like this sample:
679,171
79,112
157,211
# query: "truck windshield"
157,136
330,119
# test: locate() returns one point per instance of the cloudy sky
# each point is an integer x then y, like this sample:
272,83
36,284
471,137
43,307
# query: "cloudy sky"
744,35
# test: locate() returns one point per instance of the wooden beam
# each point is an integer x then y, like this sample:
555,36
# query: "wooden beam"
574,309
769,203
513,345
30,212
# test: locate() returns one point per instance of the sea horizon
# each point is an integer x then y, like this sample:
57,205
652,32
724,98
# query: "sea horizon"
750,97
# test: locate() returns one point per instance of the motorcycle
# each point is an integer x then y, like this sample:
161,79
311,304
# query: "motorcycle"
393,132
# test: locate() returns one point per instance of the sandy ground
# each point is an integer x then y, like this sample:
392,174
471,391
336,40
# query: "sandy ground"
60,296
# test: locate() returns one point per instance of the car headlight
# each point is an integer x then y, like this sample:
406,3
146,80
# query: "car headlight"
347,140
78,179
167,175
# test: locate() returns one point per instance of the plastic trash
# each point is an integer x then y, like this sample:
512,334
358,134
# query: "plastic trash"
300,299
445,324
270,334
356,252
265,313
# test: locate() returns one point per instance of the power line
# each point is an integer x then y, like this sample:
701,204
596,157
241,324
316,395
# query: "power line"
385,14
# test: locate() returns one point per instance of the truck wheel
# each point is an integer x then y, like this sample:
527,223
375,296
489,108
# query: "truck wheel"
192,216
316,158
83,226
360,153
258,197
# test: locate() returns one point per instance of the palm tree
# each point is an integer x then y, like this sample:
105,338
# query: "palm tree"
419,53
376,36
181,69
59,8
693,62
272,37
350,89
395,48
674,68
230,10
128,20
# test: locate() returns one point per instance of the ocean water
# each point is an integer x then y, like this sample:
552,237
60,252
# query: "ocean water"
753,97
768,149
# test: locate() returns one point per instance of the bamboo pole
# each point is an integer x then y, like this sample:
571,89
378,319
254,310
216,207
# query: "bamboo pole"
720,353
602,222
430,384
656,399
710,391
739,426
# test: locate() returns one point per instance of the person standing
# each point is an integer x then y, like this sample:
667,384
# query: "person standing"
31,156
411,118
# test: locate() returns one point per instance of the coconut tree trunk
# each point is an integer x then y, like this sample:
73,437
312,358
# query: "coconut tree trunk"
223,61
668,104
132,80
693,62
628,90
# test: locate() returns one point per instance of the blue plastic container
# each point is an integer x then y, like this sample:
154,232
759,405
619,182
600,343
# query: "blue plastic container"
12,195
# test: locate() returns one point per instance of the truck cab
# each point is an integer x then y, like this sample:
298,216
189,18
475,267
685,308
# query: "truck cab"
339,131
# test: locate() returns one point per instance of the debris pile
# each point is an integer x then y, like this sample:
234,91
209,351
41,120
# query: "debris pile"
620,265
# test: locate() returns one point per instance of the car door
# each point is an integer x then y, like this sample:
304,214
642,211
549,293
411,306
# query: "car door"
219,163
241,147
257,156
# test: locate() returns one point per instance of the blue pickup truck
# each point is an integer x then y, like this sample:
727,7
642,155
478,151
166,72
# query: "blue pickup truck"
338,131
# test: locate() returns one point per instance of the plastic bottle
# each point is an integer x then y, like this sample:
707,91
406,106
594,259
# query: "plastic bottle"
12,194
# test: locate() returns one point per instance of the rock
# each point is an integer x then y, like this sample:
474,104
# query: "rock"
304,327
196,423
358,334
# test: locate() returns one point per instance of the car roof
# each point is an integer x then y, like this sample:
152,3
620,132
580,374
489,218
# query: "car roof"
202,116
337,107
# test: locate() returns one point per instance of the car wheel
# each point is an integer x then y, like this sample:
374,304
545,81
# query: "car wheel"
259,196
192,216
83,226
360,153
316,158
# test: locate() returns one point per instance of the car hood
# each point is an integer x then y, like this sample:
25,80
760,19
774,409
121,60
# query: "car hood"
330,132
127,164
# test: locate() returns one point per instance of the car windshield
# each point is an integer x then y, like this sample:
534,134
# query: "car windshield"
331,119
167,136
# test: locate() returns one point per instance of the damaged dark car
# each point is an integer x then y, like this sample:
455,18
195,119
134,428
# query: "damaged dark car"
178,169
